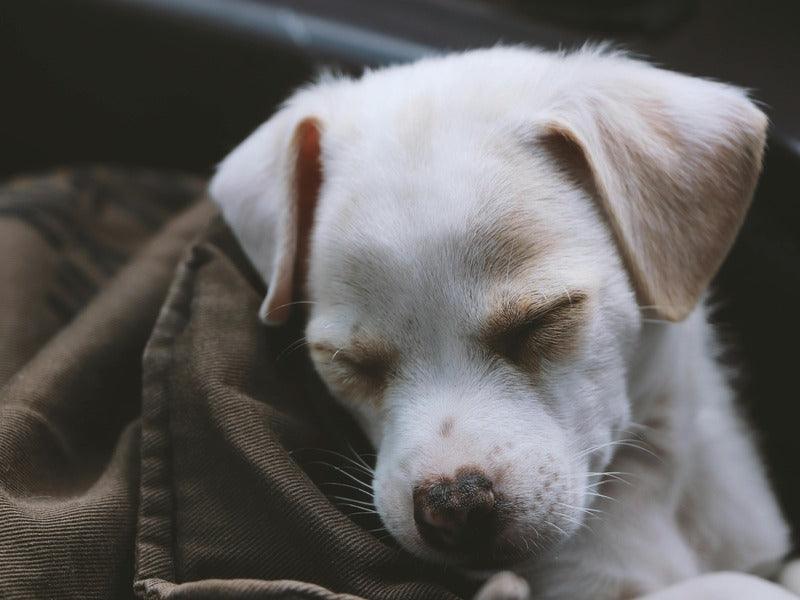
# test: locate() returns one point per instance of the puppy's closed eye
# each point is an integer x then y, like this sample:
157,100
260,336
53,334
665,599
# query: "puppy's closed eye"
367,367
362,368
524,333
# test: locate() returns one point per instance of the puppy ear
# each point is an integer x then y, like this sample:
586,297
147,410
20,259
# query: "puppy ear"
267,189
673,161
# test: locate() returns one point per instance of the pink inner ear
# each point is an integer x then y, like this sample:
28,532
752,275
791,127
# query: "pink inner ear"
308,179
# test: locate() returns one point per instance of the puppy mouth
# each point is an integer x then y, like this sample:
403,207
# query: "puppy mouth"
499,545
509,551
512,543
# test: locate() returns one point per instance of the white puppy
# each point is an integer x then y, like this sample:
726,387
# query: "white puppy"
503,254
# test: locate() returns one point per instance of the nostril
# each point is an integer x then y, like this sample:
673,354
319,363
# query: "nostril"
455,512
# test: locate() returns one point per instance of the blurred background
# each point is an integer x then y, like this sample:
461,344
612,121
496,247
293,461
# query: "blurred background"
175,84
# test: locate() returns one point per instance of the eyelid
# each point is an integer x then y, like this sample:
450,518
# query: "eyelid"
359,358
525,334
514,319
334,352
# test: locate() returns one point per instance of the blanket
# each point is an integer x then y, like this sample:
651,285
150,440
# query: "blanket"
156,441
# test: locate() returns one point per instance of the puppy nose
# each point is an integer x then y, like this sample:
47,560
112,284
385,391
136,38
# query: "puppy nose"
456,513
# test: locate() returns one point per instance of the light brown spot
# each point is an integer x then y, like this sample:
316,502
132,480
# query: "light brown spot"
527,329
505,249
446,428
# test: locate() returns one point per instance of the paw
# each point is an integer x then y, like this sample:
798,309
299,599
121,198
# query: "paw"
504,586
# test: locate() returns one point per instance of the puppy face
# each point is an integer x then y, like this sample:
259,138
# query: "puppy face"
472,234
481,344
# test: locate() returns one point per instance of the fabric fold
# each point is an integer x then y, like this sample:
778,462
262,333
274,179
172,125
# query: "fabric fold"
155,439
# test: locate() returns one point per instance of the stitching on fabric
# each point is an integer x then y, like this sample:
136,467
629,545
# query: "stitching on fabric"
171,322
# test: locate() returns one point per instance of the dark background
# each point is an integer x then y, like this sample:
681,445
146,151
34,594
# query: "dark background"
177,83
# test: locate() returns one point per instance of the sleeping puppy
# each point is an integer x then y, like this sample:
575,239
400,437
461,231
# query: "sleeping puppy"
504,254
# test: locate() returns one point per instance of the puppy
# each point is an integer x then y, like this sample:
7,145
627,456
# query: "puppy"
504,254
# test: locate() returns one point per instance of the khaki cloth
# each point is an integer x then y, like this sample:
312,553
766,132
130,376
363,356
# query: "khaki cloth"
155,439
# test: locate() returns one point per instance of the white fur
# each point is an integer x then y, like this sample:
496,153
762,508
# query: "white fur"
422,164
790,576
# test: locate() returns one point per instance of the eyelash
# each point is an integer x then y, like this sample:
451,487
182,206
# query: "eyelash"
360,370
552,327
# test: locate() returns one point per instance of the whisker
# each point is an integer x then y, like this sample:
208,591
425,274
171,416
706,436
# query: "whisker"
573,520
642,448
636,444
352,469
642,426
362,466
611,444
363,512
347,485
609,476
569,518
298,343
604,477
598,495
553,525
292,304
360,458
583,509
366,486
379,530
353,506
354,501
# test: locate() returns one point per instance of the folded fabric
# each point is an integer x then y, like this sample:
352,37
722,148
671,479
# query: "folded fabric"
155,439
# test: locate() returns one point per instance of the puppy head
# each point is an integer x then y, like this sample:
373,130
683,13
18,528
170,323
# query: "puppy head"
486,230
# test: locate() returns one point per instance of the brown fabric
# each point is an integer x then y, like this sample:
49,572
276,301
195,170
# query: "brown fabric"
155,439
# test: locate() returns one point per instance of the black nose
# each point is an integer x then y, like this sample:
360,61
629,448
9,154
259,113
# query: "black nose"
456,514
